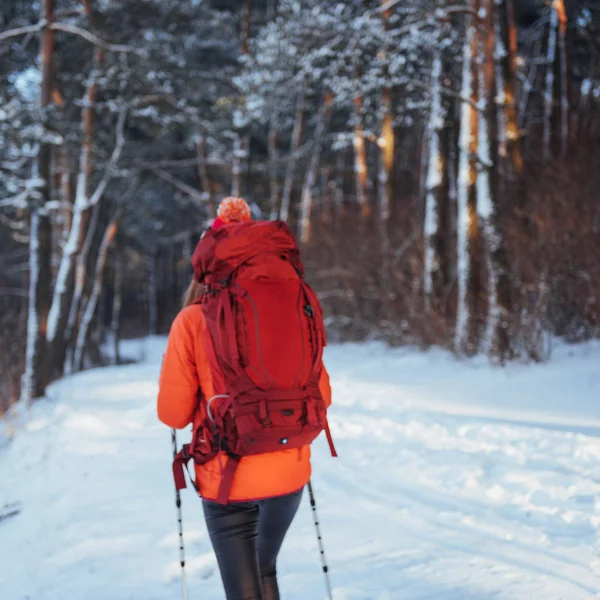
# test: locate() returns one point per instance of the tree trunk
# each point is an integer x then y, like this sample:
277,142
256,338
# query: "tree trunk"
288,183
204,180
309,183
246,26
236,169
153,295
559,8
549,90
92,303
436,166
529,84
386,146
66,194
64,281
80,276
507,92
360,158
36,374
115,325
467,186
273,176
487,177
271,10
338,192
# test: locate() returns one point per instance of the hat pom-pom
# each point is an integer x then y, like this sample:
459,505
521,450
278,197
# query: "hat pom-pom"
234,210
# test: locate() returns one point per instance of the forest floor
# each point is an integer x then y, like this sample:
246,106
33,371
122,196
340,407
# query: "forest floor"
456,480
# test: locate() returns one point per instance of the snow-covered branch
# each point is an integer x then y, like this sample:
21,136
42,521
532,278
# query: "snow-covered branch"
114,159
19,31
74,30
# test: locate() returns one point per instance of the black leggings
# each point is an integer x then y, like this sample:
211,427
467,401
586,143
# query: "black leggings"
247,537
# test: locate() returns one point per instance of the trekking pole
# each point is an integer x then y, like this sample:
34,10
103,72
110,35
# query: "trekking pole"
320,539
180,522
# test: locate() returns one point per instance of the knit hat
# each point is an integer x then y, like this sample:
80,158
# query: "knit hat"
232,210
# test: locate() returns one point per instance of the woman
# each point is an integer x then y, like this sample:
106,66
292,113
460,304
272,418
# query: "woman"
247,532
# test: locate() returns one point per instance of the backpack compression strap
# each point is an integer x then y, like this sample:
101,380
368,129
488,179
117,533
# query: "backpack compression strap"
180,461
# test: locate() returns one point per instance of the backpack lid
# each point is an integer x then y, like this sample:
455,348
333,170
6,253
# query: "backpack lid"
222,251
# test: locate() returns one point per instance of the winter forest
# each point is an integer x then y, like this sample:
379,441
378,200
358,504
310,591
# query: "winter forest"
438,160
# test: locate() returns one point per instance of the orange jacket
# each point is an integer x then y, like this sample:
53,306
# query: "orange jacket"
185,383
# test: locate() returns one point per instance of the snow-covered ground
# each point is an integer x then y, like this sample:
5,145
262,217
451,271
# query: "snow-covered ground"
456,480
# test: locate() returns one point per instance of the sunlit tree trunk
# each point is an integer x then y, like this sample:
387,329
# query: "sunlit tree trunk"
506,51
360,158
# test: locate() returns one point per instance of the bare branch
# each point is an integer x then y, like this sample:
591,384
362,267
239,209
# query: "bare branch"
181,164
181,185
94,39
12,224
391,4
19,31
114,159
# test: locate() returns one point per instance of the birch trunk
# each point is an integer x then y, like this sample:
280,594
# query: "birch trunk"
435,176
288,183
488,160
66,195
92,303
80,276
36,373
467,185
309,183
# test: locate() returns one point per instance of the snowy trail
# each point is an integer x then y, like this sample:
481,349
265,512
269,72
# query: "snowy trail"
456,481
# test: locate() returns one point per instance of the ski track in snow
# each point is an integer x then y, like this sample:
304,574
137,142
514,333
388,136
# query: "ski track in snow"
456,481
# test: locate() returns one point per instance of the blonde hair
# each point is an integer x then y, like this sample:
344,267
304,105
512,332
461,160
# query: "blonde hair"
193,293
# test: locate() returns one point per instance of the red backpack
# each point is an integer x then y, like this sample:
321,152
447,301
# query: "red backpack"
264,340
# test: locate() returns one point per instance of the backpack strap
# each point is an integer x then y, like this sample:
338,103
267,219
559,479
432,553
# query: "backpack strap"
330,439
181,460
227,478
